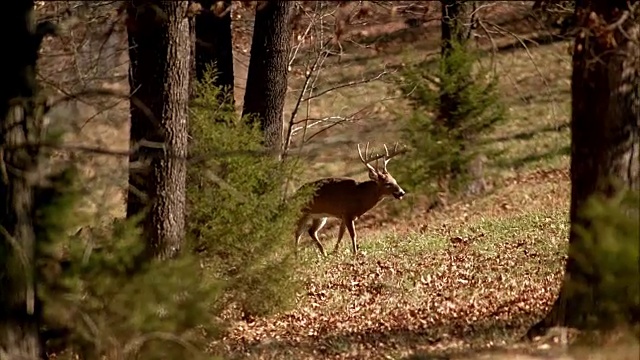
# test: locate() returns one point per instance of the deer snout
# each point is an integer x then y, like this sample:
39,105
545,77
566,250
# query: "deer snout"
399,194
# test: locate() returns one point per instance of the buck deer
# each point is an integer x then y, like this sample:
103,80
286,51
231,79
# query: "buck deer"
347,199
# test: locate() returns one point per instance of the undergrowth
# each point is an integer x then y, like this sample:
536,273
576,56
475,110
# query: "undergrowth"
100,296
238,210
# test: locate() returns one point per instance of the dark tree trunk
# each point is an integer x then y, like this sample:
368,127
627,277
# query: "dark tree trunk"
20,123
452,24
268,69
160,56
454,29
605,88
213,44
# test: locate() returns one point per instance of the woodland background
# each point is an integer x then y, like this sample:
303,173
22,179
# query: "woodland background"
130,232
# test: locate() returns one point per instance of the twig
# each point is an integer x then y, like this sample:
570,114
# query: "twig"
107,92
297,47
93,327
323,53
349,84
311,122
620,21
618,24
494,47
305,86
535,65
338,119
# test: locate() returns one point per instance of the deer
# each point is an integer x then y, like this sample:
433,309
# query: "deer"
347,199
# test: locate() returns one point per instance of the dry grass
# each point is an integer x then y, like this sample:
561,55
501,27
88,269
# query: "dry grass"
535,136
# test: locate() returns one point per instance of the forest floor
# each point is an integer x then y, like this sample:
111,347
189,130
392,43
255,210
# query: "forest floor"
463,281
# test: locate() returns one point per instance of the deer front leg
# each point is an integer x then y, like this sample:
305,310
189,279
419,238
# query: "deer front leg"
343,227
352,232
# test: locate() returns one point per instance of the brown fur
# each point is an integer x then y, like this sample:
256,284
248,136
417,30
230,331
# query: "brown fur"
346,199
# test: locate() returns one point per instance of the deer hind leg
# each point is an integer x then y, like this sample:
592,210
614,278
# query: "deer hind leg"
343,227
352,232
316,225
299,231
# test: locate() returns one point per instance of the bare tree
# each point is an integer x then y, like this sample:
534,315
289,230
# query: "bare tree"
21,125
318,27
213,43
605,141
268,69
160,55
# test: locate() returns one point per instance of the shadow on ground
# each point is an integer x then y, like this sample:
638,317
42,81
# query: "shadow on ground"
436,342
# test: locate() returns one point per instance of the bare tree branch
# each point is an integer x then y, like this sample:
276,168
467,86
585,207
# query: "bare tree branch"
350,84
533,62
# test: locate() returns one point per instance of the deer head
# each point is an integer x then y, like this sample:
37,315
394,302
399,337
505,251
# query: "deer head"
387,185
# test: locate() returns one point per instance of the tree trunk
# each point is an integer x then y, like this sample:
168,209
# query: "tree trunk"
160,57
605,88
452,27
268,70
453,34
213,44
452,24
192,56
20,123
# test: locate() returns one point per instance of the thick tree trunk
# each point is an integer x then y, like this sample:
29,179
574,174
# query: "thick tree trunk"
160,56
213,44
268,69
192,56
20,123
605,143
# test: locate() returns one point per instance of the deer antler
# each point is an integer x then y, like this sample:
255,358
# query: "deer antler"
388,156
366,160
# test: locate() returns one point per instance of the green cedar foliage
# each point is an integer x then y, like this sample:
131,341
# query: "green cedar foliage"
443,136
607,253
101,297
237,206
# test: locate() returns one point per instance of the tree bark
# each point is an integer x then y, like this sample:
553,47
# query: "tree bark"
454,30
21,111
452,27
213,45
268,70
160,64
192,56
452,24
605,118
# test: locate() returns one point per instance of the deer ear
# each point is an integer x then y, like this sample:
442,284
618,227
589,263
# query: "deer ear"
373,175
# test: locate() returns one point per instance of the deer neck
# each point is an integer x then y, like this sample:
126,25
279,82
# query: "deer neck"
371,187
